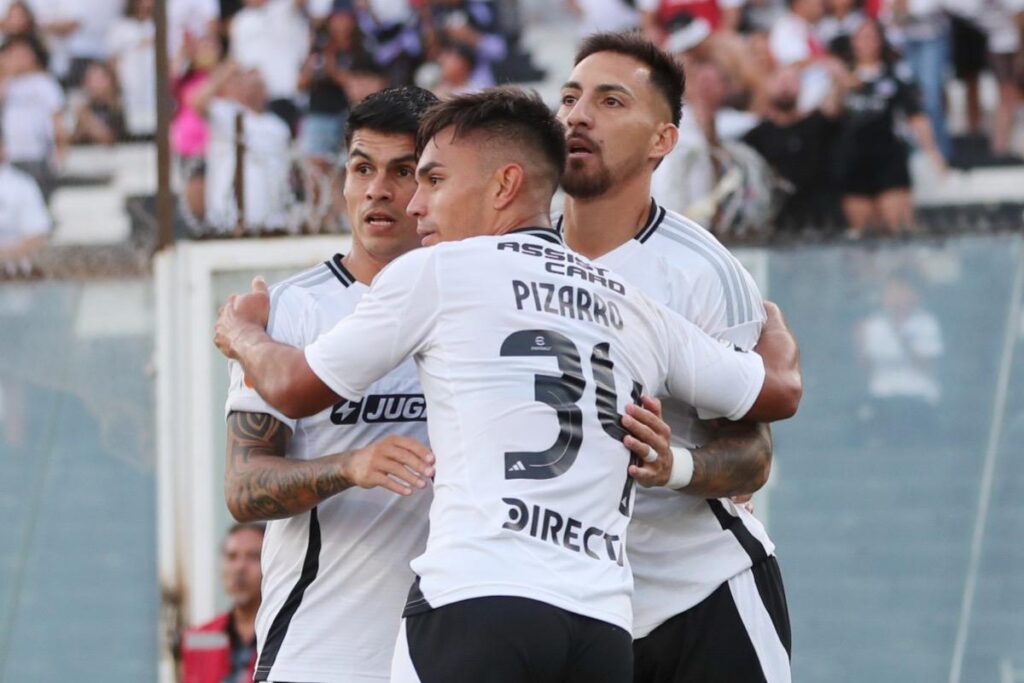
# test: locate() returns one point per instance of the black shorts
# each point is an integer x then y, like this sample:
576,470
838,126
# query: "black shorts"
870,173
509,640
970,48
740,633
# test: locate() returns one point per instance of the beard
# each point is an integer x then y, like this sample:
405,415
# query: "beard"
580,184
784,103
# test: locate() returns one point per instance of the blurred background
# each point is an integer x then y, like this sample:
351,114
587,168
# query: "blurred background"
862,158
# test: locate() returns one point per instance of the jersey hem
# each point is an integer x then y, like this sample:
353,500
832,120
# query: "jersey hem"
322,676
645,628
530,593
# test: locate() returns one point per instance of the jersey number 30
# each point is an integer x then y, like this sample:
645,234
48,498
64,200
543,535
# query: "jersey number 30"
562,393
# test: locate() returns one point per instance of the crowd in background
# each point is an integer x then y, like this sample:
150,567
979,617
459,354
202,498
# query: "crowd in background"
800,110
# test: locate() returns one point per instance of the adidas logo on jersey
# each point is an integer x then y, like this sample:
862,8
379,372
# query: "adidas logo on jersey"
381,408
517,467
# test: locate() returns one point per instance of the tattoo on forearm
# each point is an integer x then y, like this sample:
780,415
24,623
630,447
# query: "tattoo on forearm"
260,483
735,462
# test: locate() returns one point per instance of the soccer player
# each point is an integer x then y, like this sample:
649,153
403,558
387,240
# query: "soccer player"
335,567
708,603
527,354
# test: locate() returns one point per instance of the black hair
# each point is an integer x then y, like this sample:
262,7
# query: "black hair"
392,110
33,43
667,73
512,115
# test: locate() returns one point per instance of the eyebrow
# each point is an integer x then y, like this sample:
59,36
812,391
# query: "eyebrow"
603,87
424,171
403,160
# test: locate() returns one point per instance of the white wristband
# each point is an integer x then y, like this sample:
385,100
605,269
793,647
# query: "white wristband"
682,468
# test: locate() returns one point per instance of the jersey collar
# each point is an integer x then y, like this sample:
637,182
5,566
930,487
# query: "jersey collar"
546,234
654,217
340,271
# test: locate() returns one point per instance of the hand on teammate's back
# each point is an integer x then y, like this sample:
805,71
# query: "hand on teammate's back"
396,463
649,441
241,313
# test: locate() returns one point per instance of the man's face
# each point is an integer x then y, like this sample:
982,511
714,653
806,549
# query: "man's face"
452,185
612,114
380,179
241,568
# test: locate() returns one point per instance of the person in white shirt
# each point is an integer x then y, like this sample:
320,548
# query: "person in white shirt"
233,92
33,102
272,36
24,221
188,20
130,42
708,601
339,537
519,343
604,15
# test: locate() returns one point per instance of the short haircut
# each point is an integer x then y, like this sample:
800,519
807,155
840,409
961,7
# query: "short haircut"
667,73
393,110
506,114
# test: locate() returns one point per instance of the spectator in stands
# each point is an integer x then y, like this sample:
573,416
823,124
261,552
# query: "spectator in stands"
58,21
24,221
841,19
688,173
325,77
900,345
88,43
189,131
19,20
365,77
457,65
799,145
236,97
970,54
920,31
272,36
130,43
223,650
793,38
99,118
1003,21
467,22
189,20
874,159
660,17
598,16
392,33
33,132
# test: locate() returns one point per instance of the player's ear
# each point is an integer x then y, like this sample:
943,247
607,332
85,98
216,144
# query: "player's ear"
664,141
508,181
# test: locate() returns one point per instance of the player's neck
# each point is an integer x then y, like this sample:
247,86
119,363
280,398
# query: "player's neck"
363,265
526,218
595,226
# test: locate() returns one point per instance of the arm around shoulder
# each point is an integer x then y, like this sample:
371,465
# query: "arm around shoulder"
783,381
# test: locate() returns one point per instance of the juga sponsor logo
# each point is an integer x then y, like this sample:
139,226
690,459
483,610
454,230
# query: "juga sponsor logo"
381,408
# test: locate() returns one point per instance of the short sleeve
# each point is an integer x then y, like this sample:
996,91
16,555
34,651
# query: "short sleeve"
908,97
393,321
714,376
287,325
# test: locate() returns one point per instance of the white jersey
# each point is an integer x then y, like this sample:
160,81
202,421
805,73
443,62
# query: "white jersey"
527,354
682,547
335,579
